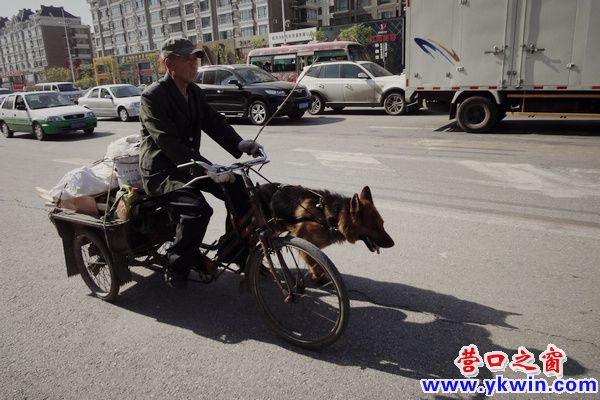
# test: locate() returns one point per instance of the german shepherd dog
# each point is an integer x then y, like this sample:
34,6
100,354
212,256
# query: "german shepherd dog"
324,218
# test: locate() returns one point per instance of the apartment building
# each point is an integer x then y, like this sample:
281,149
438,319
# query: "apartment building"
132,26
354,11
32,41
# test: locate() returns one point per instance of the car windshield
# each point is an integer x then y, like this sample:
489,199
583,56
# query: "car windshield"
66,87
125,91
255,75
375,69
5,91
47,100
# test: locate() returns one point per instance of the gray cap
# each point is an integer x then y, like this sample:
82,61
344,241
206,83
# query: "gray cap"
179,47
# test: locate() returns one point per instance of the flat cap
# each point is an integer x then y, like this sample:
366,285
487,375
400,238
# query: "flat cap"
180,47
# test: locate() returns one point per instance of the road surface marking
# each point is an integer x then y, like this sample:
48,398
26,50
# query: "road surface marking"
345,159
566,183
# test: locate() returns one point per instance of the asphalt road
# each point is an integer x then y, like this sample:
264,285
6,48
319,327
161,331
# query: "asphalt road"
497,244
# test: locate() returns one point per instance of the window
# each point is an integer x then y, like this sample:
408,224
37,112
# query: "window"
94,93
226,34
285,63
210,77
141,19
175,27
192,39
263,29
155,16
127,7
351,71
205,21
386,14
154,2
207,37
191,24
116,10
173,12
247,32
312,14
314,71
8,103
157,31
342,5
139,4
131,36
105,93
225,18
189,9
245,15
224,76
129,22
223,3
204,5
330,71
199,77
261,12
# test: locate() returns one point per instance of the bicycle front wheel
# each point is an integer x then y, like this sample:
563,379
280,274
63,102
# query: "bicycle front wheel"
307,312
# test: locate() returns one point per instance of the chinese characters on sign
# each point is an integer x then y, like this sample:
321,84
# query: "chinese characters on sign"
469,361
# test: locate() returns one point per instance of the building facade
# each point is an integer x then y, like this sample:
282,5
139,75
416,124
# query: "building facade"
354,11
32,41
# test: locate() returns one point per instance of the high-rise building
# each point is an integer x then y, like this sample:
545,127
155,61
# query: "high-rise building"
32,41
132,26
354,11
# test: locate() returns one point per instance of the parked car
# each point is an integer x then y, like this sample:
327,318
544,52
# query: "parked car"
342,84
4,92
43,113
121,101
249,91
64,88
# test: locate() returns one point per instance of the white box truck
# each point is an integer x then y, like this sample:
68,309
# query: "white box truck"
487,58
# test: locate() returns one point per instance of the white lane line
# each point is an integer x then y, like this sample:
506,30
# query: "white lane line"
346,160
566,183
299,164
424,128
75,161
492,219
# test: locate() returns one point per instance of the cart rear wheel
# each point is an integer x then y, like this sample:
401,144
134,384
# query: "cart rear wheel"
95,265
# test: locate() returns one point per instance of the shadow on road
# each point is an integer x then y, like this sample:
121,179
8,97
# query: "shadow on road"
536,127
394,328
64,137
284,121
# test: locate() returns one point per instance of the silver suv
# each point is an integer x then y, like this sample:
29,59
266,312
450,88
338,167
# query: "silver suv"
342,84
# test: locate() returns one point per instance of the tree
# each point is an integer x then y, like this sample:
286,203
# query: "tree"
56,74
319,36
359,33
257,43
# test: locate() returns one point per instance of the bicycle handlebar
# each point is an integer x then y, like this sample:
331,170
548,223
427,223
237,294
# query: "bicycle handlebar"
225,169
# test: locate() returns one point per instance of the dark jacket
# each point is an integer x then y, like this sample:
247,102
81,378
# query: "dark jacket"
171,130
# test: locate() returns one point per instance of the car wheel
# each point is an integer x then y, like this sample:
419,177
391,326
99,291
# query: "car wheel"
123,114
6,130
394,103
39,132
296,115
477,114
88,131
258,112
317,105
337,109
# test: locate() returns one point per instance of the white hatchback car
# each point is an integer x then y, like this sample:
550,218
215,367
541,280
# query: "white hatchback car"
342,84
121,101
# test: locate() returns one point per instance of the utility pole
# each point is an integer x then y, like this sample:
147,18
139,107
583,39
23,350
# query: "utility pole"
68,46
283,22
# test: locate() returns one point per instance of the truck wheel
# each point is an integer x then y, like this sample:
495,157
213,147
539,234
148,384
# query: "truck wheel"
317,105
6,130
394,103
477,114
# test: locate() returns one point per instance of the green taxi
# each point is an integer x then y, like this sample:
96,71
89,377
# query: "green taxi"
43,114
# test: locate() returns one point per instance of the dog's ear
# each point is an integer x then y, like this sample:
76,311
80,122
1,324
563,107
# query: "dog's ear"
365,194
354,204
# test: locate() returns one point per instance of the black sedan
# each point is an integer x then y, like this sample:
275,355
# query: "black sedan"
248,91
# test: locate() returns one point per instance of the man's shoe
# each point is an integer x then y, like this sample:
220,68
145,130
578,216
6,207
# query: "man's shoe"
176,279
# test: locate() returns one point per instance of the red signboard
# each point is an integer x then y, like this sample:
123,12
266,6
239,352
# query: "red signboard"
383,38
18,85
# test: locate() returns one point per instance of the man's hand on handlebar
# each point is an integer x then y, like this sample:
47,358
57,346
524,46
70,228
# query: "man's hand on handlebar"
250,147
220,174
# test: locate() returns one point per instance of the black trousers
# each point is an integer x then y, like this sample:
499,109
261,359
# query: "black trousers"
194,215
